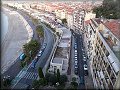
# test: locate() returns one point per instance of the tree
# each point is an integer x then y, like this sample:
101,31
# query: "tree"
74,79
110,9
75,84
53,79
63,79
40,73
58,75
22,63
35,84
40,30
47,75
6,82
42,81
32,47
64,21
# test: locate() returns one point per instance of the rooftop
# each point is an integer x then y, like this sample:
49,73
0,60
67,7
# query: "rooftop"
57,60
65,42
62,52
113,26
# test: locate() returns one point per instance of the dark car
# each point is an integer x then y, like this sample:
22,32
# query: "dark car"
76,71
85,72
81,80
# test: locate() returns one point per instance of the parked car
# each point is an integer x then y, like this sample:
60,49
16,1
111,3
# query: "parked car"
76,66
84,59
44,46
76,61
22,56
85,67
75,47
76,51
76,71
85,72
81,80
75,57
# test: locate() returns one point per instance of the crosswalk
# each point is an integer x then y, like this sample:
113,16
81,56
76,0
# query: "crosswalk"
31,75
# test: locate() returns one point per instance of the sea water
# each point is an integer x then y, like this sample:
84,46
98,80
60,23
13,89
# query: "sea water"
4,25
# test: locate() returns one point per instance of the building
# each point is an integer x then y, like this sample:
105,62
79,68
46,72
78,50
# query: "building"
61,57
78,20
102,42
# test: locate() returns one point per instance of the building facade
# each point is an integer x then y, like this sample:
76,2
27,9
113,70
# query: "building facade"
103,50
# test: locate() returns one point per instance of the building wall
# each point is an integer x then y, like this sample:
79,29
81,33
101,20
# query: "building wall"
103,62
55,66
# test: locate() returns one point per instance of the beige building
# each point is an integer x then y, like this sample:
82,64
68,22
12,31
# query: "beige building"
102,42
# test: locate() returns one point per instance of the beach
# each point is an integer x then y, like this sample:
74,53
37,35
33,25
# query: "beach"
13,41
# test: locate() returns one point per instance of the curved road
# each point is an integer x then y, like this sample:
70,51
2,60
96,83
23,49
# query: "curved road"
49,39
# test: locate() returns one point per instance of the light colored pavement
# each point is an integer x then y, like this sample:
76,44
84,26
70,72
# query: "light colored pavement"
15,38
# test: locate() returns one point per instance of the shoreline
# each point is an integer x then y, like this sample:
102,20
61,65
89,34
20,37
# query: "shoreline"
16,36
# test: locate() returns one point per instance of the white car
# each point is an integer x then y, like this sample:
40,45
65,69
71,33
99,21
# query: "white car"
85,67
40,51
84,59
76,67
75,57
75,51
76,61
76,64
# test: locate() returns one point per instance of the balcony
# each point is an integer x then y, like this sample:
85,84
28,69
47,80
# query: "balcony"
111,44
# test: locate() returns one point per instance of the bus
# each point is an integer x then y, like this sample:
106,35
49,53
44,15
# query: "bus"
22,56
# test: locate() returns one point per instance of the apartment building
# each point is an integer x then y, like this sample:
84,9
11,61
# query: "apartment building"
102,42
78,19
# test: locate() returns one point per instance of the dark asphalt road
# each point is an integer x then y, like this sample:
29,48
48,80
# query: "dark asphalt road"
80,60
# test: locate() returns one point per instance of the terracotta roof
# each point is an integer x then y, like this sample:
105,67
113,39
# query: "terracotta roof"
114,26
87,22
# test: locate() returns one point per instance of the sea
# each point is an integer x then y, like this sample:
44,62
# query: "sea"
4,25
